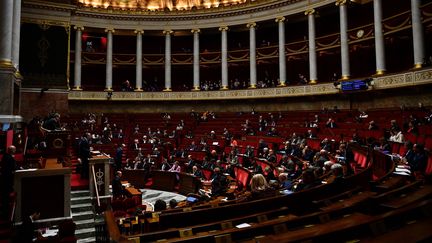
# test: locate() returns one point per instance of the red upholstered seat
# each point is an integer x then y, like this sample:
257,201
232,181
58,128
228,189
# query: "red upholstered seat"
242,175
429,166
207,173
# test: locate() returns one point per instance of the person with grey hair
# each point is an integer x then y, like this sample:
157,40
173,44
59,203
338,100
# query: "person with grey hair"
337,171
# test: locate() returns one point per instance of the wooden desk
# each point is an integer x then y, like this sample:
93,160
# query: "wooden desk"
188,183
164,180
131,191
45,190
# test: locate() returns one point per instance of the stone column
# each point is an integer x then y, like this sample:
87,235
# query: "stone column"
6,15
167,34
224,56
108,80
379,38
78,50
417,29
8,78
138,85
282,57
312,47
16,31
343,21
252,56
196,60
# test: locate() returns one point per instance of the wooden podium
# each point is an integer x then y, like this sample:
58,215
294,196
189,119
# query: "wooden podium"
45,190
57,142
101,166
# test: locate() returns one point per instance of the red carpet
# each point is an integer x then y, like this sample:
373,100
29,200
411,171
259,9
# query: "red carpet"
79,184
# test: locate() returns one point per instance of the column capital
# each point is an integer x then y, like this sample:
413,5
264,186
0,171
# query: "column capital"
251,25
167,32
139,32
79,27
310,12
195,31
109,30
340,2
280,19
223,28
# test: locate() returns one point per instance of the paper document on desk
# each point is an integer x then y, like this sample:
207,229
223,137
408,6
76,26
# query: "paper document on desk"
244,225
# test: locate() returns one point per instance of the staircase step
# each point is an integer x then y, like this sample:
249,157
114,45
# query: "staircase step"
81,207
86,223
87,240
80,193
80,200
85,233
82,215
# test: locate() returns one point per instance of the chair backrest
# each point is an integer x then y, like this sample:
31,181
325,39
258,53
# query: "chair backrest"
429,165
242,175
207,173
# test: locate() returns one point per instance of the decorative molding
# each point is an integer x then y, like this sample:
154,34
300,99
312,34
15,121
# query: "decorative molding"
280,19
310,12
419,77
167,32
139,32
195,31
223,28
251,25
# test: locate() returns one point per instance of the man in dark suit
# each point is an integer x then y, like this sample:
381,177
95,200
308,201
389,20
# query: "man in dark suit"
117,188
84,154
119,156
8,167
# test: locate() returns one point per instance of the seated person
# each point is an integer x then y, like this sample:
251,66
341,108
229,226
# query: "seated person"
284,182
160,205
260,188
308,181
175,168
196,172
219,183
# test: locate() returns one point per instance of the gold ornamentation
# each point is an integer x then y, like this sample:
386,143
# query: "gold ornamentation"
280,19
282,84
313,81
138,90
380,72
139,32
195,31
196,88
251,25
340,2
252,86
77,88
167,90
417,65
224,87
167,32
6,64
345,77
108,30
310,12
223,28
79,27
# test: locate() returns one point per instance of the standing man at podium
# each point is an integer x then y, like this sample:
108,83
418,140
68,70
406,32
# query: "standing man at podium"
84,155
53,123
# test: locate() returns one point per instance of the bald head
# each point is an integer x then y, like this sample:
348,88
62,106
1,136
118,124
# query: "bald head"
11,149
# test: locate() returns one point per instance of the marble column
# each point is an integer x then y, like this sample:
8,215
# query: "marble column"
224,56
167,34
78,50
8,78
343,21
417,30
379,38
282,57
16,32
252,56
313,76
138,85
109,56
196,60
6,25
